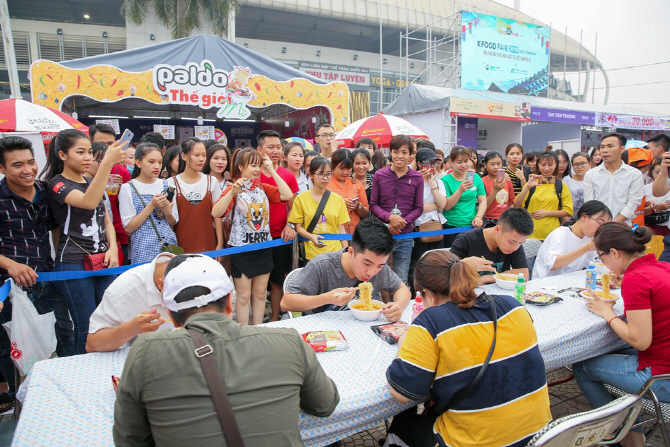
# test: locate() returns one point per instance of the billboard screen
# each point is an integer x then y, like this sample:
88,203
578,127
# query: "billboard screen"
503,55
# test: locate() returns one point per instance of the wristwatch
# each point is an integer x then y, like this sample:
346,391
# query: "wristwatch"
290,225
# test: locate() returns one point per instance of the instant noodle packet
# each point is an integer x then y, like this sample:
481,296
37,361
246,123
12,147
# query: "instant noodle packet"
326,340
390,333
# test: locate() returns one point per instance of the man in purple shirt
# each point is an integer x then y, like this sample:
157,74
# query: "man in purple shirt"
397,199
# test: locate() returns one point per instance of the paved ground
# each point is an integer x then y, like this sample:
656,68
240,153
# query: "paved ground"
565,399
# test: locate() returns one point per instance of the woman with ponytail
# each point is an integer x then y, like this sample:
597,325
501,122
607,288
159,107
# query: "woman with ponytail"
443,351
570,248
146,213
85,224
646,298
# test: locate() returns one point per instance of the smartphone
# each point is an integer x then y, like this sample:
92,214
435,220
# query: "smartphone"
126,137
548,180
501,176
168,193
470,176
355,200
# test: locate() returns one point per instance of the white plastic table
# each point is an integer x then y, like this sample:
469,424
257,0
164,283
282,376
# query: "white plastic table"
70,401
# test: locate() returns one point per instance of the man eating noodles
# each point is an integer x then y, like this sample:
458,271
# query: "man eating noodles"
329,281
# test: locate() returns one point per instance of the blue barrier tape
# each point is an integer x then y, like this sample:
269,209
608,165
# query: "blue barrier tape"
63,276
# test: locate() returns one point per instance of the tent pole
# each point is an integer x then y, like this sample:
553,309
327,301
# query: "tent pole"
10,56
381,59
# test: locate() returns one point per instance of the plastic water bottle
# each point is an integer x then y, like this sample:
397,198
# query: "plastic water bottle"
520,289
591,276
417,307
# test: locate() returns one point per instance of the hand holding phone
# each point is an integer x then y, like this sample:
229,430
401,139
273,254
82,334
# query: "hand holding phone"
126,138
501,176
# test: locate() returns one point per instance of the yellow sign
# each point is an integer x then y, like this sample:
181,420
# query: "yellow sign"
51,83
489,109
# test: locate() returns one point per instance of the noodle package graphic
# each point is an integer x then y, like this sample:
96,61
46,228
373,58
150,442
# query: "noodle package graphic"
326,340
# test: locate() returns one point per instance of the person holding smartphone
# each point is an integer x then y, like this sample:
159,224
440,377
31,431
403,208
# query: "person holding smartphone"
499,188
146,213
351,190
546,198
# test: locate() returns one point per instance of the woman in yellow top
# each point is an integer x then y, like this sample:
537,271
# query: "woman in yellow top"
351,190
543,188
333,219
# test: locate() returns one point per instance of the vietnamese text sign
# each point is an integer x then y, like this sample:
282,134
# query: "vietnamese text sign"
166,130
331,73
112,122
205,132
489,109
563,116
631,122
503,55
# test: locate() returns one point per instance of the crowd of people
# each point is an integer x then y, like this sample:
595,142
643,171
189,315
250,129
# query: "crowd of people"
99,205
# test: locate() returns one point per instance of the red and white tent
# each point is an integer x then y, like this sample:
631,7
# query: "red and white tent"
18,115
381,128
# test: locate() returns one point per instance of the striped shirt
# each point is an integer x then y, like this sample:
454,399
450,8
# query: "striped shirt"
24,228
441,355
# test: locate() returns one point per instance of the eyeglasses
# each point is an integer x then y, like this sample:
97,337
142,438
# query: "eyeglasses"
325,176
35,214
580,165
326,135
600,220
600,255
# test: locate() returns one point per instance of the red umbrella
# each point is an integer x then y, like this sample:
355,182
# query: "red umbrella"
381,128
18,115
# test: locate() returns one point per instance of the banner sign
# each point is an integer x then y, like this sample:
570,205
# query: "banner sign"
111,122
467,131
166,130
490,109
503,55
331,73
563,116
631,122
205,132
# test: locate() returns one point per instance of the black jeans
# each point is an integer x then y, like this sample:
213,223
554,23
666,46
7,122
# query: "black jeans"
415,430
46,299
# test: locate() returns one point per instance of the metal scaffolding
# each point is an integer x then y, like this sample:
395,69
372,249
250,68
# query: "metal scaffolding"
436,48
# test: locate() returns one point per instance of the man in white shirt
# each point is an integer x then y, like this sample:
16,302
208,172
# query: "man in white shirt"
131,306
614,183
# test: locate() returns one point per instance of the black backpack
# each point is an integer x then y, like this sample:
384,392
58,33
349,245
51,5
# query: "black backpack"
559,192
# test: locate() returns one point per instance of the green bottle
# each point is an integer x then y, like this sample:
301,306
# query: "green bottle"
520,289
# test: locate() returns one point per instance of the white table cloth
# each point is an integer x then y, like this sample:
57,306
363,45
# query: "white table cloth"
70,401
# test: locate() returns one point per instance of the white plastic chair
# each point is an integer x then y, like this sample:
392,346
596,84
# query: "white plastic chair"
291,279
605,425
660,410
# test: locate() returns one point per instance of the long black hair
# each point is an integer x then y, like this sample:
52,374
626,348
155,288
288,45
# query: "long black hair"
211,150
186,147
140,152
567,158
62,142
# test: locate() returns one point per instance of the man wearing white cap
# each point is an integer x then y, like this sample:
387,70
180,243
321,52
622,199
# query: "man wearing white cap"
268,373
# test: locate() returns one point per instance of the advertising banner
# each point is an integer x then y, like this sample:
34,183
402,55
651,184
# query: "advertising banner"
631,122
331,73
503,55
230,90
490,109
562,116
166,130
111,122
467,131
205,132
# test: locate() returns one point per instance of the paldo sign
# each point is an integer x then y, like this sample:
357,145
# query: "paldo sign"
202,85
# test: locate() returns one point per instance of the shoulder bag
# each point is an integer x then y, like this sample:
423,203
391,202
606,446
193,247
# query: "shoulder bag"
165,246
224,410
482,370
315,220
92,261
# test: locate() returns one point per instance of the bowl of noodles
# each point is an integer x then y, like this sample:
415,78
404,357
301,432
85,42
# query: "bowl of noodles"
506,281
359,311
365,308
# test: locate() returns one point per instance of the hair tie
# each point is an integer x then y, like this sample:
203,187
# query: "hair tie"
635,227
453,261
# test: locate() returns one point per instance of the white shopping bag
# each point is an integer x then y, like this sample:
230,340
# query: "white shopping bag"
33,336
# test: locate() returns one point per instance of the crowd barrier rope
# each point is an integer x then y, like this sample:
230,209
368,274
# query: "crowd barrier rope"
64,276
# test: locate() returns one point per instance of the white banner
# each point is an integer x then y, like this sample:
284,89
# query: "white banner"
166,130
631,121
205,132
112,122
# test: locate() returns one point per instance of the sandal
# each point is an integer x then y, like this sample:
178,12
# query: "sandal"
6,402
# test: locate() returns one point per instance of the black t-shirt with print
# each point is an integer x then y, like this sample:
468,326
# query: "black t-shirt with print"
473,243
78,226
